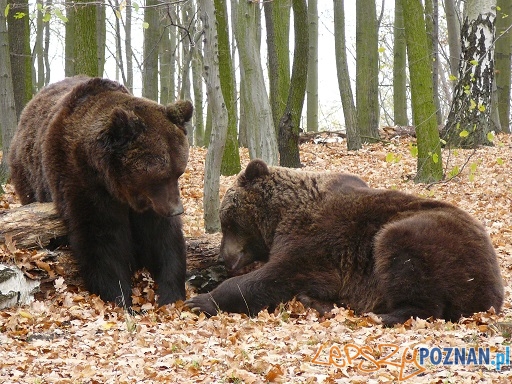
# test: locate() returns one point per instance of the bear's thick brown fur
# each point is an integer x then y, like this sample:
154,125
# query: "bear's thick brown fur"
328,238
110,161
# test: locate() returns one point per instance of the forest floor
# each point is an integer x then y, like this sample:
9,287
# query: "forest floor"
69,336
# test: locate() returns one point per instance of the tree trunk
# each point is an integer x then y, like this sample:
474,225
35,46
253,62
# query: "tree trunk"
21,59
344,84
399,69
289,125
453,26
86,39
367,64
277,21
429,166
186,57
38,58
312,84
219,113
150,63
46,49
128,46
261,135
101,28
69,49
231,156
8,121
197,84
119,46
432,27
503,61
468,122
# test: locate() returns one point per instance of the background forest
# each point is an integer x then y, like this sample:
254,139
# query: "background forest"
252,70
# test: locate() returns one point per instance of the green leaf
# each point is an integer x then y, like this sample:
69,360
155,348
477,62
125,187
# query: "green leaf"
118,14
413,149
19,15
490,136
136,7
59,14
474,62
481,108
472,104
6,10
145,25
382,49
454,172
47,17
500,161
435,158
464,133
452,77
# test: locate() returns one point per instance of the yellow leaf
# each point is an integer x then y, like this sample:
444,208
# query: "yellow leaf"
25,315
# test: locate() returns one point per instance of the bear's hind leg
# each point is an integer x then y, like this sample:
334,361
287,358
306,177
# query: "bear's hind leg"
160,247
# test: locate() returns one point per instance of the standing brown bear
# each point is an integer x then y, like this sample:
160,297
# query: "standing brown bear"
110,162
328,238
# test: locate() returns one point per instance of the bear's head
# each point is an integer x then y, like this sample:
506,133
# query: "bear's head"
145,150
243,239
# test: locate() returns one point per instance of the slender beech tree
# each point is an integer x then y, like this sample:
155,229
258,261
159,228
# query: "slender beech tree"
85,39
429,166
453,25
38,56
8,120
469,120
150,49
290,121
231,157
432,26
367,66
399,69
344,85
211,201
128,46
21,56
503,61
277,21
312,84
101,36
261,137
69,41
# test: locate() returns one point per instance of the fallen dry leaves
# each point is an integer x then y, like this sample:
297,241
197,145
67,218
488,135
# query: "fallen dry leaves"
73,337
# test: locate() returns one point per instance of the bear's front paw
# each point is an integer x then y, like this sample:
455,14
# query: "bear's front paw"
203,303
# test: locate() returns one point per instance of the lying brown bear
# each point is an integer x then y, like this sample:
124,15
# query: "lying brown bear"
110,162
327,238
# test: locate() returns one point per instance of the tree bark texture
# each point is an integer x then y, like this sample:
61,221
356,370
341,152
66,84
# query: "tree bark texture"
85,39
503,52
453,25
211,200
429,165
261,135
468,122
231,156
312,84
150,48
289,125
399,70
344,84
367,64
8,120
20,53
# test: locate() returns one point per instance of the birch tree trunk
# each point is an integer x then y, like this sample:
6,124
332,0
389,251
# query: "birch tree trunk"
211,200
261,135
399,69
469,120
429,165
8,121
344,84
312,84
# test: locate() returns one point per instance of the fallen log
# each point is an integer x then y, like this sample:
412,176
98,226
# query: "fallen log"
38,226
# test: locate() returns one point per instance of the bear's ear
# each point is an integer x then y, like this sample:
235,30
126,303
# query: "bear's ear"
179,112
124,127
256,168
